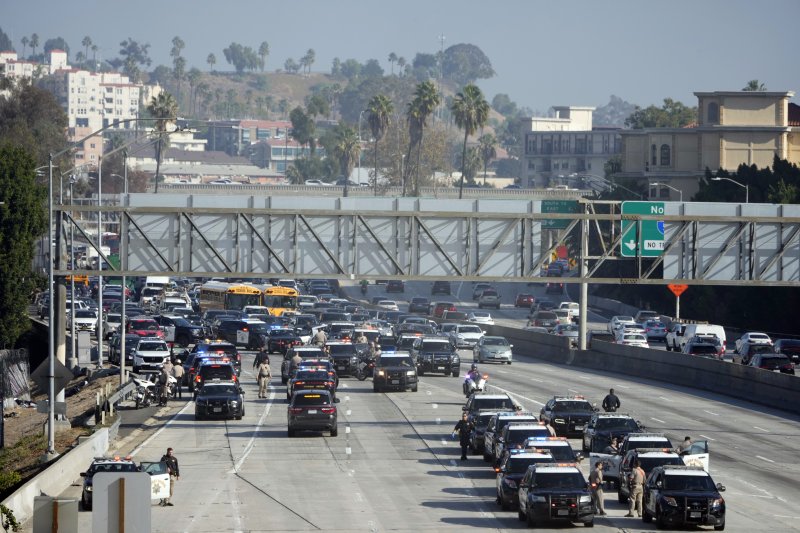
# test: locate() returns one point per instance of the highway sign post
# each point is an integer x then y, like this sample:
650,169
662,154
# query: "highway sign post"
677,290
558,206
650,239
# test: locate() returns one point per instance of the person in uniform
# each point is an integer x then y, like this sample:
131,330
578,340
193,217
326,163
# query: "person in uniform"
178,372
463,429
636,483
264,375
320,338
361,339
611,402
683,447
174,475
596,482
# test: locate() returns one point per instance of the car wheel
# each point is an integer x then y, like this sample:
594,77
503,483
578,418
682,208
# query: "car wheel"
486,457
646,518
335,431
520,515
375,388
504,505
660,522
590,523
531,520
720,527
508,362
290,432
284,380
414,388
455,373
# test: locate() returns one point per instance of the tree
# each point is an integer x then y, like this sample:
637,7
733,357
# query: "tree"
57,43
303,129
87,43
392,61
34,44
134,55
379,110
671,115
755,86
487,147
241,57
5,41
401,63
211,60
503,104
317,105
23,220
308,59
470,111
164,108
24,42
263,52
291,66
425,66
466,63
179,72
94,56
346,150
425,101
193,77
372,69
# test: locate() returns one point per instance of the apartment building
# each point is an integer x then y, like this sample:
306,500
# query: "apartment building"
566,149
733,128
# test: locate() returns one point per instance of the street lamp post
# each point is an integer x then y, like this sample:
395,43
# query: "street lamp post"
359,154
743,185
658,184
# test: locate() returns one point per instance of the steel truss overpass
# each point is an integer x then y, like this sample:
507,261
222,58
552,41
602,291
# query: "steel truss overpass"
427,238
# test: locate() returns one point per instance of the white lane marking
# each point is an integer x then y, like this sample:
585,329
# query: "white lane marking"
453,463
428,392
573,391
710,412
536,380
438,420
435,406
162,428
248,373
707,438
761,429
348,412
624,386
348,450
787,516
347,429
358,497
520,395
584,377
657,420
347,398
666,399
765,459
444,442
251,443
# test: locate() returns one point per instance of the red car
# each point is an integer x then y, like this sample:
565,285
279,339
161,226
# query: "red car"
524,300
145,327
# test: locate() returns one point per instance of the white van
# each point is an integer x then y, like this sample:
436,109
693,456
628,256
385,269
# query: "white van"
157,282
703,329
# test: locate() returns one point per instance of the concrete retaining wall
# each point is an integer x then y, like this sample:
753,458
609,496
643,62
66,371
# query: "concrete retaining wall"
60,474
780,391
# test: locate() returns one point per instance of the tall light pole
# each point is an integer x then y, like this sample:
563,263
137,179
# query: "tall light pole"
359,152
743,185
680,192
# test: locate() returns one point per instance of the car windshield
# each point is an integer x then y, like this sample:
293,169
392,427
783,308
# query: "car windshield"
439,346
311,399
469,329
141,324
560,481
314,375
616,424
395,361
649,463
701,349
342,349
624,319
219,389
773,361
113,467
152,346
492,403
519,436
572,406
636,444
760,348
495,341
688,483
519,465
85,313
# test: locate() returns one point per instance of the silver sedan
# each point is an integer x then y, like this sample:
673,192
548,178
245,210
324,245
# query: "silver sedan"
492,349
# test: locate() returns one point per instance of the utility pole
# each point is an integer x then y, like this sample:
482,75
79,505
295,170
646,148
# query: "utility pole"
441,71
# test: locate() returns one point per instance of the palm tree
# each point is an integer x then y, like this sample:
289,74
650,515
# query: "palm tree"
94,57
211,60
346,150
34,44
378,110
401,63
487,144
193,76
263,52
471,111
24,42
425,101
310,56
392,60
164,108
754,86
86,42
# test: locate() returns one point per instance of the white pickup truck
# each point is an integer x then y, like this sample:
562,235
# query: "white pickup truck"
573,308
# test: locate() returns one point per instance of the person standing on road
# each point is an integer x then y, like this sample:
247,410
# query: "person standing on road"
613,448
264,375
320,338
463,429
178,372
261,357
611,402
596,482
174,475
636,483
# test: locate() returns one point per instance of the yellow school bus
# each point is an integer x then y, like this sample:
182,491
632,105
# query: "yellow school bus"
279,299
233,296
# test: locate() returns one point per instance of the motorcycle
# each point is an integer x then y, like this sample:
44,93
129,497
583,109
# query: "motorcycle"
470,385
172,390
364,290
365,368
145,392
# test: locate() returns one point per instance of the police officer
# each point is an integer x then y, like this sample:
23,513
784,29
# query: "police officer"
260,357
613,448
596,482
463,429
320,338
178,372
636,483
264,375
683,447
174,474
611,402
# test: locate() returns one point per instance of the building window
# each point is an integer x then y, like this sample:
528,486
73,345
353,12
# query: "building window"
665,155
653,159
580,146
531,165
713,113
547,146
663,192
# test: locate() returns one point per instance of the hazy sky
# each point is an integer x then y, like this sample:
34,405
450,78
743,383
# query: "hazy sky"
545,53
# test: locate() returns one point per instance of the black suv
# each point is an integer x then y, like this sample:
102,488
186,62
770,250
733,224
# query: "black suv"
394,371
218,349
213,371
395,285
436,354
555,493
305,352
440,287
478,424
222,399
568,415
602,427
419,305
186,333
345,357
683,496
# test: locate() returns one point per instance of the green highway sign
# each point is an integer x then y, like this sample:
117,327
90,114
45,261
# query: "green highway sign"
651,238
558,206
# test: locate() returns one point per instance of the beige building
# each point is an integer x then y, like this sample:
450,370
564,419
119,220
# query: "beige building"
734,128
566,149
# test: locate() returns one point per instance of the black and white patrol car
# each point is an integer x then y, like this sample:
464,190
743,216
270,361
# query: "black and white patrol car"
567,415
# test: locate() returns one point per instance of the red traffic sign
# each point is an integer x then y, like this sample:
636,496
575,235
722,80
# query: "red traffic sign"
677,290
